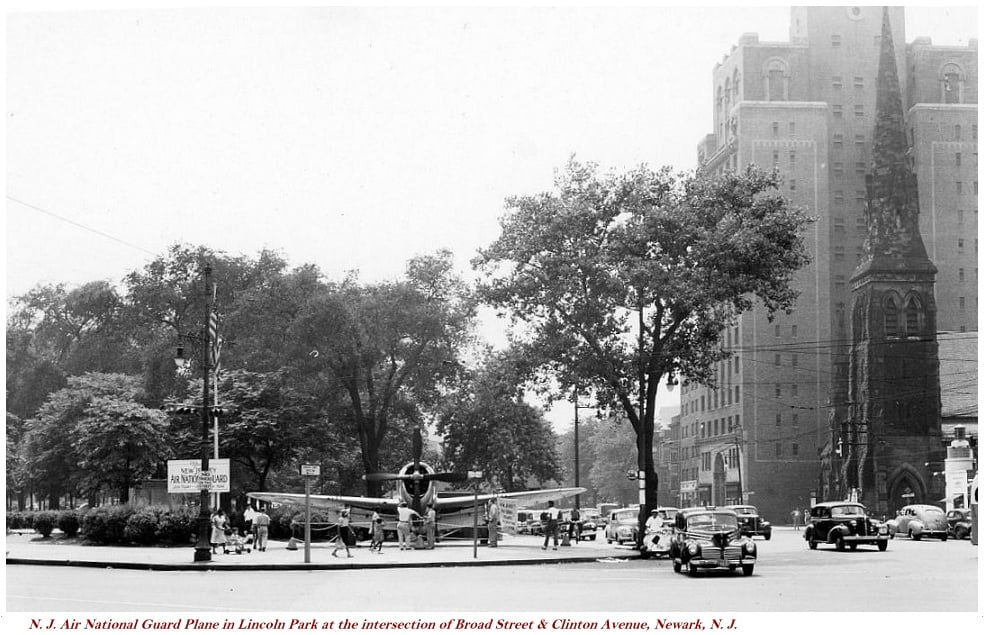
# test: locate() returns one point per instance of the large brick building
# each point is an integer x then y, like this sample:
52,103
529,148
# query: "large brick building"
807,107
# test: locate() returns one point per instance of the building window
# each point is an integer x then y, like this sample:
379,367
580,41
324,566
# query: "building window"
951,84
859,110
891,318
737,421
839,284
795,360
778,360
838,168
778,448
779,330
959,187
775,129
962,302
838,197
737,394
839,225
778,419
858,82
796,449
796,420
838,110
956,158
792,185
960,245
702,403
792,331
775,158
792,158
778,390
956,132
835,40
776,80
838,252
960,217
837,81
838,141
960,275
859,142
860,197
860,168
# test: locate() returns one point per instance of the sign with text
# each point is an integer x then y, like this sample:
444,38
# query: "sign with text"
310,470
507,515
184,476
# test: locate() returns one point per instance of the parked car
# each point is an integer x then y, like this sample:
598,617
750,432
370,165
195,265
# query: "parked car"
623,525
844,524
657,543
751,523
709,538
919,521
960,523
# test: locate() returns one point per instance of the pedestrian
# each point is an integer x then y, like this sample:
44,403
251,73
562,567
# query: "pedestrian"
261,525
553,515
220,524
574,528
404,515
377,532
248,517
797,519
493,522
342,538
430,526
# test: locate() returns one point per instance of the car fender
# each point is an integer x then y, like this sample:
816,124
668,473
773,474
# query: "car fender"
838,530
917,527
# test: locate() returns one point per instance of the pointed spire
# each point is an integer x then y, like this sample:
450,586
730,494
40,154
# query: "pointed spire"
893,240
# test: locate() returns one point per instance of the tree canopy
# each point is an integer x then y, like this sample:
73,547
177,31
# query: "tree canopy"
625,279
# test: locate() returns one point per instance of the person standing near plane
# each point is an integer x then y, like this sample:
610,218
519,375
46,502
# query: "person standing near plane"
261,525
342,539
403,517
430,525
551,529
494,522
377,532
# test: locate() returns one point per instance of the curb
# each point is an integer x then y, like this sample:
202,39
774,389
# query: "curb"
300,566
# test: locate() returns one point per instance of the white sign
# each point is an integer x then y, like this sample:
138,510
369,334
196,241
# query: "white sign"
310,470
507,515
184,476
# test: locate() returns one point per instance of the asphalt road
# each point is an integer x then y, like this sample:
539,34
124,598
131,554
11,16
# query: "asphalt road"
910,577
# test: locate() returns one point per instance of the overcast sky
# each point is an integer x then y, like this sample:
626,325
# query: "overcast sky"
351,138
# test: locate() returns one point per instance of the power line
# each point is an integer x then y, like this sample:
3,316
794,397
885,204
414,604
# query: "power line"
80,225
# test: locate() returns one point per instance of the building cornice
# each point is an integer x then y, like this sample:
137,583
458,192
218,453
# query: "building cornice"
967,107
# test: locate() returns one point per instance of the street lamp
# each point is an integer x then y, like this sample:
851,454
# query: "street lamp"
203,548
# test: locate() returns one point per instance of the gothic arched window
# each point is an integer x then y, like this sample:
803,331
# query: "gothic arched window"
951,84
913,316
776,81
891,317
735,86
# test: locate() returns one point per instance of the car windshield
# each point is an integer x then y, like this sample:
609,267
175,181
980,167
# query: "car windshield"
847,510
712,521
745,510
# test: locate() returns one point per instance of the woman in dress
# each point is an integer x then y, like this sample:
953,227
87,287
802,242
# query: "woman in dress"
220,522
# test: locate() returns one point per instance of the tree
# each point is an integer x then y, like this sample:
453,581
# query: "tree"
488,426
626,279
94,433
385,346
613,446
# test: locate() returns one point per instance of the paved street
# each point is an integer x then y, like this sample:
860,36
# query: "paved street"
910,576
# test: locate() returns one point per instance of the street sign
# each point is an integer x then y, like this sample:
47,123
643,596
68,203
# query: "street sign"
474,474
310,470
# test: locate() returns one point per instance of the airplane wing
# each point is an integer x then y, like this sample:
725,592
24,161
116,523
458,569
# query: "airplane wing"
328,502
531,497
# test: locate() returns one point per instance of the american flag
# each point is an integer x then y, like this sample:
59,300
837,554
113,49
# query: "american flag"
215,341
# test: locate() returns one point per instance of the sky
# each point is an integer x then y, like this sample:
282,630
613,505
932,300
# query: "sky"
351,138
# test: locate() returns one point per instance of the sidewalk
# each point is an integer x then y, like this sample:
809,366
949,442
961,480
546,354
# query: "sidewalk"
512,550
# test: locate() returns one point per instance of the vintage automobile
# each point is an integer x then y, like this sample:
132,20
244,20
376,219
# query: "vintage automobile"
844,524
918,522
709,538
751,523
623,524
960,522
657,543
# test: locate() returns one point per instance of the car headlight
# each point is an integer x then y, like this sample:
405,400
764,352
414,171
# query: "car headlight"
750,548
693,548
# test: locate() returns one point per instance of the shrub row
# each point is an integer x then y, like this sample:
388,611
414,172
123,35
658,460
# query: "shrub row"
124,524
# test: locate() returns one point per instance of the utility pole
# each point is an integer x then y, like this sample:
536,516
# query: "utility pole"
203,549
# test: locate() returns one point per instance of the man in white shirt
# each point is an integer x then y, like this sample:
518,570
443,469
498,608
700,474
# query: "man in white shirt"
493,523
403,517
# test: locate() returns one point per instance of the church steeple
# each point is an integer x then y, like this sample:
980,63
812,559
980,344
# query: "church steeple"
893,241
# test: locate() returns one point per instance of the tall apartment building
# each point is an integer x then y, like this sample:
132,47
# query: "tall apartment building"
807,108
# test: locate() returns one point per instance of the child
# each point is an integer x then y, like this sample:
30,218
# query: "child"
237,542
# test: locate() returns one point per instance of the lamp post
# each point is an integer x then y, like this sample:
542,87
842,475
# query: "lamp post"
203,548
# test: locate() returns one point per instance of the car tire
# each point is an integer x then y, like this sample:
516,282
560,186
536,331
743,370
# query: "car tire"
840,544
609,540
747,569
943,538
691,571
882,545
854,546
677,566
768,534
915,536
960,534
813,544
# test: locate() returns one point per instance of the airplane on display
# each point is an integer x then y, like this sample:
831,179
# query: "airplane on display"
416,485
